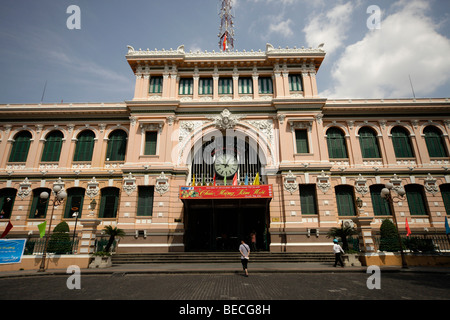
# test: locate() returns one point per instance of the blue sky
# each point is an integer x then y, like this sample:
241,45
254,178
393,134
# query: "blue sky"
89,65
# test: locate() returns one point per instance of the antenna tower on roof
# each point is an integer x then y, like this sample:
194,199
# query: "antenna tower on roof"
226,31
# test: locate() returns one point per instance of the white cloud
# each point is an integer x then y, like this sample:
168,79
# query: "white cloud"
281,27
330,27
379,65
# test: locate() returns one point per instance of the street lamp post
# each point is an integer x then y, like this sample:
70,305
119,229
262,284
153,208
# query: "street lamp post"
60,195
75,214
386,194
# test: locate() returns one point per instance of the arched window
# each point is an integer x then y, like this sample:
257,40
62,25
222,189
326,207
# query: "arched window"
445,192
380,206
336,143
52,146
85,146
117,146
416,199
20,147
435,142
7,197
369,143
74,202
38,205
345,200
109,202
402,143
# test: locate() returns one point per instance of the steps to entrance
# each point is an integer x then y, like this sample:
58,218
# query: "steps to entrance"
219,257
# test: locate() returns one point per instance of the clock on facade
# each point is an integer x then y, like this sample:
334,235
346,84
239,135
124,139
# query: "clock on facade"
226,165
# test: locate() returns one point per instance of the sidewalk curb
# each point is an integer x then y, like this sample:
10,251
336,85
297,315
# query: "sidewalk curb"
184,269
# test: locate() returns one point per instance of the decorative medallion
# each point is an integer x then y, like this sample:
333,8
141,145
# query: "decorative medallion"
290,183
226,120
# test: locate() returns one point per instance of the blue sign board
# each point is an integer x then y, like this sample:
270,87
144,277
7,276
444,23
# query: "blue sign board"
11,250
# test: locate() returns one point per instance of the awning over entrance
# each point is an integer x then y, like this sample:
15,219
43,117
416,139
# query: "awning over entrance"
226,192
216,218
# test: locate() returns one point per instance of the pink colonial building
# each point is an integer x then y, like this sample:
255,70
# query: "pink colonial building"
217,145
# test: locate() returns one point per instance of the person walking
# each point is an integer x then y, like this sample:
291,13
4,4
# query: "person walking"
337,249
245,253
253,240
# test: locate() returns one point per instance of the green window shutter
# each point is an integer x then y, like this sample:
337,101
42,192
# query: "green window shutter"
156,84
295,82
245,85
225,86
109,202
39,207
380,206
416,200
7,197
445,192
52,147
205,86
117,146
74,202
151,138
301,139
85,146
265,85
336,144
368,142
345,201
145,201
435,143
20,147
308,198
401,143
185,86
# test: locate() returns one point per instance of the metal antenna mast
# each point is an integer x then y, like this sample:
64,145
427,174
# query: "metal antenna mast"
226,31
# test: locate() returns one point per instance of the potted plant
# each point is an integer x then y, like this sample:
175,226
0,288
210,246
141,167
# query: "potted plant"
102,259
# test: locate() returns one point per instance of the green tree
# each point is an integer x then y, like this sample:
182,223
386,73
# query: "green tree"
59,241
388,236
113,233
343,233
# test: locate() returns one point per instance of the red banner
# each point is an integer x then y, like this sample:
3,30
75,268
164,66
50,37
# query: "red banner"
226,192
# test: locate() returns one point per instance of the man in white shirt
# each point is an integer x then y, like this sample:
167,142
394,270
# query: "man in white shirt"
245,252
337,249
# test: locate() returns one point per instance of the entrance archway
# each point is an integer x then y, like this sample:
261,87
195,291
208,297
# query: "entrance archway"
226,199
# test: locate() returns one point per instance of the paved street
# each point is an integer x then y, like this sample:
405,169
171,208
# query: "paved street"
263,286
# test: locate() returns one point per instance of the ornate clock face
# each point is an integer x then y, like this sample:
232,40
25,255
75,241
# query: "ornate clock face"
226,165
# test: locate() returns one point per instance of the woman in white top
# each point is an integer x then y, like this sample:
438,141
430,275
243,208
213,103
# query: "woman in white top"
245,253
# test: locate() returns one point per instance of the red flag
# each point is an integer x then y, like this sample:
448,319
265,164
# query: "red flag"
214,179
225,42
235,182
408,230
8,227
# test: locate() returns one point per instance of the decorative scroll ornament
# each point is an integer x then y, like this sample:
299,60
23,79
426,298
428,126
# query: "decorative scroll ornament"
430,185
92,188
290,182
323,182
396,182
129,184
361,186
162,184
24,189
225,120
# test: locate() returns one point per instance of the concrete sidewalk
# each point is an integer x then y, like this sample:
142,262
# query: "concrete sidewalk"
220,268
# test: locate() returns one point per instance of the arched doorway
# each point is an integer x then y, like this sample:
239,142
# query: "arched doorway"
219,222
